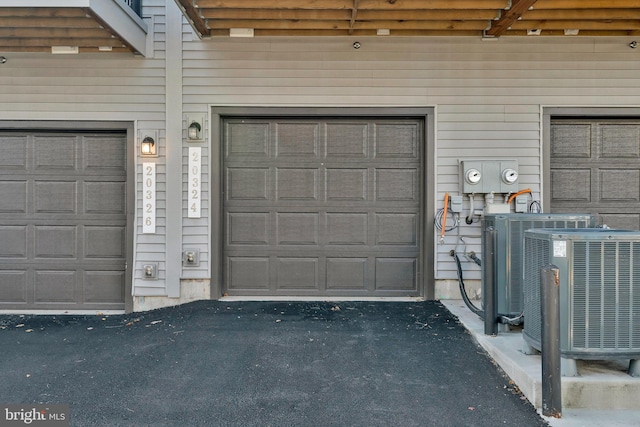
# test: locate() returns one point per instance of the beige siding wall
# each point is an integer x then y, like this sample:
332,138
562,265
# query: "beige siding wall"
487,97
111,87
488,94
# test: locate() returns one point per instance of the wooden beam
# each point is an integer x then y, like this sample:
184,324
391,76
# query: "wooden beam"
193,15
579,14
60,42
429,15
518,8
587,4
630,24
42,12
55,32
363,15
354,14
323,15
27,22
347,4
345,25
333,33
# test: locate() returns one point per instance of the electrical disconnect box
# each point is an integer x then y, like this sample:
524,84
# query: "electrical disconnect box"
489,176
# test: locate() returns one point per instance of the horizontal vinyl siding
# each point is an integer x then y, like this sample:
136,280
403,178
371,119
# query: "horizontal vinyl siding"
195,231
108,86
487,95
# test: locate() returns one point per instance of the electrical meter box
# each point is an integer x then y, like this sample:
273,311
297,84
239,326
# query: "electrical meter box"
489,176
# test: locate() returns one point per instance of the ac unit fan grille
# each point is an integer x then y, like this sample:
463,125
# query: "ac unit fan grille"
606,295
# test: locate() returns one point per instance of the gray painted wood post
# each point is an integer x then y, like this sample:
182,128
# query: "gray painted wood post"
490,298
550,340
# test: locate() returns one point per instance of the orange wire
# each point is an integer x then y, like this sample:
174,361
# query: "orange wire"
444,216
514,195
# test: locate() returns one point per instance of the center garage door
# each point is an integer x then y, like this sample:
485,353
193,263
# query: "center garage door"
322,207
62,220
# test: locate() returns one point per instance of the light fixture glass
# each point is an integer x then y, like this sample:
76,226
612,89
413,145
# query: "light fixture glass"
193,131
148,147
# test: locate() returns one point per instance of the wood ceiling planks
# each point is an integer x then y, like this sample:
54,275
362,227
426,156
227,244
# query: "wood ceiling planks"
414,17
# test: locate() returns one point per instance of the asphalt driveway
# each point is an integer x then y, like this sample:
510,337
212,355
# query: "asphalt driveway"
216,363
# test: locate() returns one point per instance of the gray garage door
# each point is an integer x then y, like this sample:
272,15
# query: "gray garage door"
322,206
595,168
62,220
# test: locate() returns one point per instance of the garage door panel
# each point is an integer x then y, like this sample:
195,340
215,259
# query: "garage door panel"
347,273
397,184
247,184
56,197
104,197
628,221
397,140
347,141
55,287
248,228
13,196
347,184
571,140
620,141
571,184
297,140
104,154
247,139
55,152
297,273
297,184
297,228
56,242
104,242
14,242
347,228
248,273
301,224
13,287
619,184
14,153
396,274
103,287
396,229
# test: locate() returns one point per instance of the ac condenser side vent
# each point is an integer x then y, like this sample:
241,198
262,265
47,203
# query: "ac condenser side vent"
509,231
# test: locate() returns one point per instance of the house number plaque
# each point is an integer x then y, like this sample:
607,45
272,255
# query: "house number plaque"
149,198
195,182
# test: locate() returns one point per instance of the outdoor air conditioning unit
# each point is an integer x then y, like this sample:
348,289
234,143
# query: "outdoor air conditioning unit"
505,276
599,272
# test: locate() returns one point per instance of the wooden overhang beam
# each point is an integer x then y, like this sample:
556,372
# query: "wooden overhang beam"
518,8
191,12
354,14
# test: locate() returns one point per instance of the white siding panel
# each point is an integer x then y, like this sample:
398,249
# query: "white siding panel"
487,94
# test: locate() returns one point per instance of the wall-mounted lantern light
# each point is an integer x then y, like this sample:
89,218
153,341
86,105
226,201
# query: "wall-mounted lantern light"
195,127
148,147
193,132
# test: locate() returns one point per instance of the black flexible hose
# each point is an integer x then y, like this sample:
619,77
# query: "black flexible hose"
463,290
475,258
